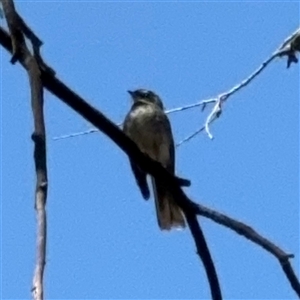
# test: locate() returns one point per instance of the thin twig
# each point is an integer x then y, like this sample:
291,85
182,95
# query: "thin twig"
284,49
190,136
92,130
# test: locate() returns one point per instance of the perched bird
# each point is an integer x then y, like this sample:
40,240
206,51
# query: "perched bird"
149,127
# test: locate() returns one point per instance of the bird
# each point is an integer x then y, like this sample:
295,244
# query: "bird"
149,127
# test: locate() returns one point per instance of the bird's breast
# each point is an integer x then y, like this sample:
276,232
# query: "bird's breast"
150,130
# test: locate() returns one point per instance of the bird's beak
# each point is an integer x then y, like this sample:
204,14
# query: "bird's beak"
131,93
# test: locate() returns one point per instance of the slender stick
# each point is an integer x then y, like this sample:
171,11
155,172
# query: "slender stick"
21,52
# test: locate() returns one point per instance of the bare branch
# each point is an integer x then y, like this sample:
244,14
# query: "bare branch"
255,237
17,38
21,52
203,251
69,97
288,48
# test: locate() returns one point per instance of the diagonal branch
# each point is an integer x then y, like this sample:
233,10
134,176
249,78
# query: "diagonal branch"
288,48
252,235
56,87
14,26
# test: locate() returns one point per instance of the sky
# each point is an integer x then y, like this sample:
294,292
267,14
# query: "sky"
103,238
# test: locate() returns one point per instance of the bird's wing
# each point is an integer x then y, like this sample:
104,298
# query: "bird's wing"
166,155
141,180
140,175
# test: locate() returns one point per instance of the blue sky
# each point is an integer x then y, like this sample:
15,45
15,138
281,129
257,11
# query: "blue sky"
103,239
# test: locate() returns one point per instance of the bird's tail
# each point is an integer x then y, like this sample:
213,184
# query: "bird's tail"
169,215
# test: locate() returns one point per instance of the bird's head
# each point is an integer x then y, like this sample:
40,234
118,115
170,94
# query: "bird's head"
143,95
